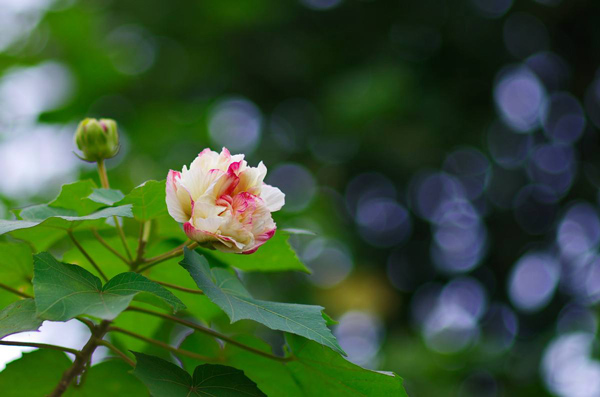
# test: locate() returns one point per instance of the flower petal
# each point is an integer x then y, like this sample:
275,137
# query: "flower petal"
179,203
273,197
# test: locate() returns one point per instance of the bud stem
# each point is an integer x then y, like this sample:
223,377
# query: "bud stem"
105,185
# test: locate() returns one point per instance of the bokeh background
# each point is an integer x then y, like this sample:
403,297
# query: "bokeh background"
445,153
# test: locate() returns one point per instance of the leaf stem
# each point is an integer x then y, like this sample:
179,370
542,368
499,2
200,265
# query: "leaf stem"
106,185
108,247
87,256
15,291
77,353
167,255
145,228
163,345
179,288
118,352
209,332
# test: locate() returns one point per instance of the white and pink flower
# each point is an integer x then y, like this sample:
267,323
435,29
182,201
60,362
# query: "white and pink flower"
223,203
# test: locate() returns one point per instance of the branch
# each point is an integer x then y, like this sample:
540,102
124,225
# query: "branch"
81,360
179,288
77,353
163,345
209,332
87,256
167,255
118,352
143,240
15,291
108,247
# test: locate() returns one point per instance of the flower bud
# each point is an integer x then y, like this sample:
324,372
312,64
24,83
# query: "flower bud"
97,139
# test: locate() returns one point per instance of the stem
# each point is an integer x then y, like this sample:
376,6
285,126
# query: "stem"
179,288
105,185
118,352
209,332
41,346
166,256
143,240
90,324
103,175
163,345
15,291
81,360
87,256
108,247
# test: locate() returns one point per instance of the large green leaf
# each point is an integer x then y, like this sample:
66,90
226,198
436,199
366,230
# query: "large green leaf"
226,290
165,379
312,371
18,317
148,200
74,196
106,196
63,291
44,215
276,255
35,374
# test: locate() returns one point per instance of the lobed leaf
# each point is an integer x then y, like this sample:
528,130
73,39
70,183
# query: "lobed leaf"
226,290
106,196
63,291
147,200
165,379
74,196
44,215
276,255
19,316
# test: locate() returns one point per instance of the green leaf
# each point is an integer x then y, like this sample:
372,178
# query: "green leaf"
16,264
18,317
165,379
108,378
313,371
226,290
106,196
34,374
74,196
63,291
44,215
276,255
148,200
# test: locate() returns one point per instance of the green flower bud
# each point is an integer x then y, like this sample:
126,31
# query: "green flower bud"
97,139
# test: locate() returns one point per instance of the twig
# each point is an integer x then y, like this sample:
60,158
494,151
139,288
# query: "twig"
87,256
108,247
90,324
179,288
166,256
209,332
79,364
143,240
77,353
118,352
15,291
163,345
106,185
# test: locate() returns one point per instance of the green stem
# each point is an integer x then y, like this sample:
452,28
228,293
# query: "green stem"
77,353
209,332
108,247
15,291
87,256
143,241
106,185
118,352
179,288
163,345
166,256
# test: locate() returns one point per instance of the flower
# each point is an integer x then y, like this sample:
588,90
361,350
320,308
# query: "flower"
223,203
97,139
